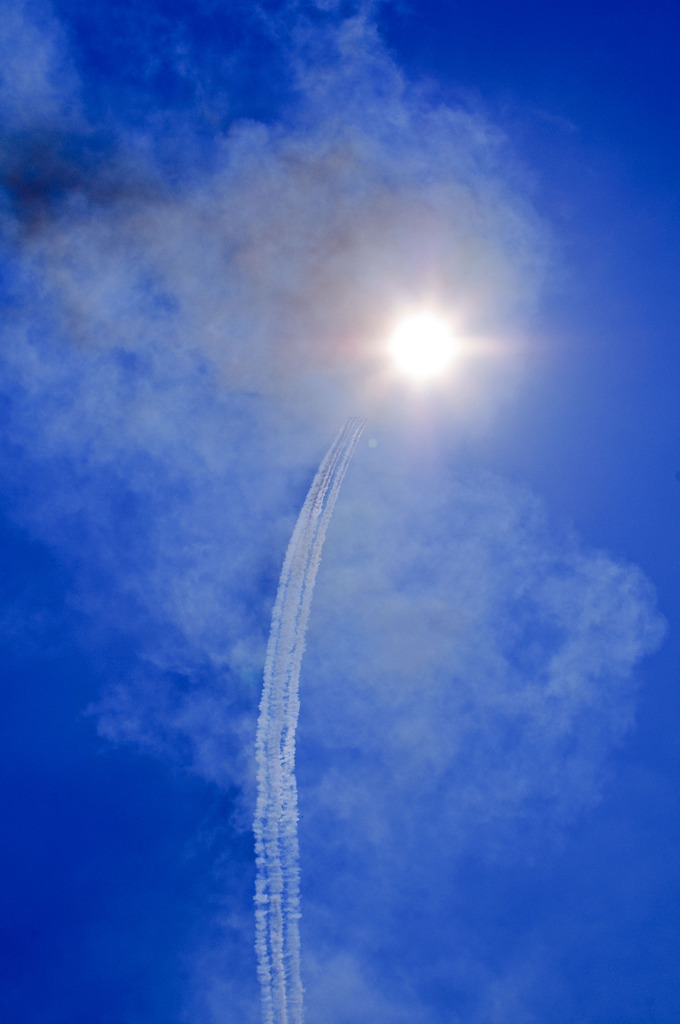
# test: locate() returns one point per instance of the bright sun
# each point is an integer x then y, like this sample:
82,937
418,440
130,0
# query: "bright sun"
423,346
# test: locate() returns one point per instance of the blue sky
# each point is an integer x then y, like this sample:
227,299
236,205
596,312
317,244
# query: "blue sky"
210,220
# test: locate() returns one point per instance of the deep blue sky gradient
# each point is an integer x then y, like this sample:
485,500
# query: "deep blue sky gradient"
127,761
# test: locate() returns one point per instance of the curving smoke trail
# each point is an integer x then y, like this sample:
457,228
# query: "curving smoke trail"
277,893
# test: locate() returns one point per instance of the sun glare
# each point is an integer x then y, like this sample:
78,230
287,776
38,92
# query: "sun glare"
423,346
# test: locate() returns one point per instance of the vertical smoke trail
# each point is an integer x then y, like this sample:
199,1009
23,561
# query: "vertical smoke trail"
277,892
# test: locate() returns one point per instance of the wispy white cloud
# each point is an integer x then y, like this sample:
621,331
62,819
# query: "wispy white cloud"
469,670
191,346
456,600
39,86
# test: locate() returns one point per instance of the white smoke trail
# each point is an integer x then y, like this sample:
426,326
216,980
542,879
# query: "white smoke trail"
277,893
